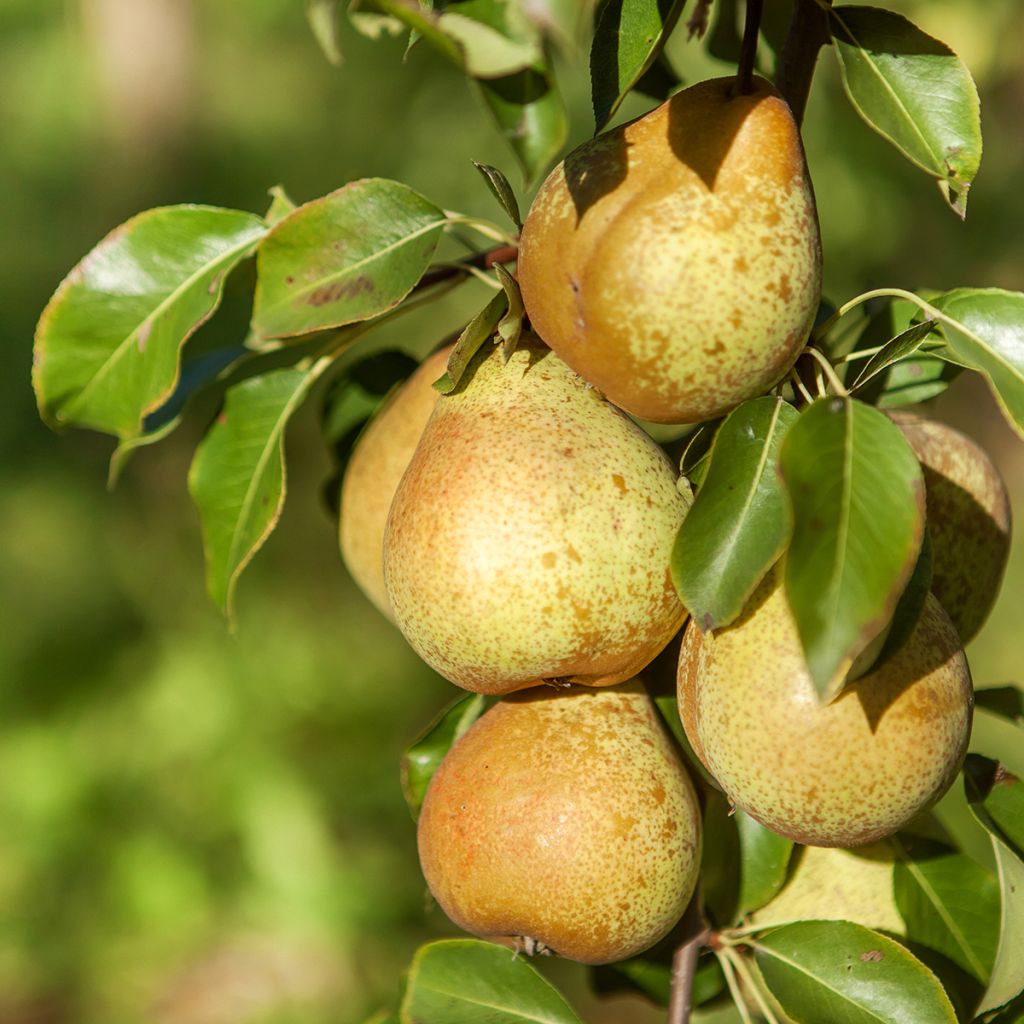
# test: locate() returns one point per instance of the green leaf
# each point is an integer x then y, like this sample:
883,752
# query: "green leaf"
949,903
424,755
495,38
423,23
237,478
108,345
345,257
910,605
628,37
764,859
720,861
502,190
510,326
480,329
914,91
985,331
997,802
322,16
904,344
1006,701
858,506
280,205
844,973
462,981
530,113
739,524
653,978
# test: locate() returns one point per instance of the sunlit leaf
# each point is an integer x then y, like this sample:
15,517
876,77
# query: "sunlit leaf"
479,330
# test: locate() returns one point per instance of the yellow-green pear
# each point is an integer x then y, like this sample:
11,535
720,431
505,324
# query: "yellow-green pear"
968,520
563,821
380,457
838,885
530,537
841,774
675,261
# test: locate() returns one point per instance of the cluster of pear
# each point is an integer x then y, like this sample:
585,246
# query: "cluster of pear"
519,529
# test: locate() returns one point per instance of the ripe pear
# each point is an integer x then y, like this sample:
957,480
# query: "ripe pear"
968,519
564,821
530,538
675,261
841,774
838,885
380,457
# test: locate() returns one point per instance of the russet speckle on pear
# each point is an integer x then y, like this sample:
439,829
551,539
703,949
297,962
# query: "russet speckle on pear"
968,520
845,773
379,459
530,538
564,820
675,262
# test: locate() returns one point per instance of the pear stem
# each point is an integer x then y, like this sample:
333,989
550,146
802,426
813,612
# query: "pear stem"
479,261
684,962
808,32
748,48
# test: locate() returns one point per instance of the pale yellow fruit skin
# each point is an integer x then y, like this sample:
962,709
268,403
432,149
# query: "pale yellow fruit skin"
380,457
842,774
531,535
675,261
968,519
567,818
838,885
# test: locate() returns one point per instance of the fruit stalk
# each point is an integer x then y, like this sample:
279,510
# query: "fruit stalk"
808,33
748,48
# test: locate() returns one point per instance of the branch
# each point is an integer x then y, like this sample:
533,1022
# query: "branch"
684,964
808,33
481,260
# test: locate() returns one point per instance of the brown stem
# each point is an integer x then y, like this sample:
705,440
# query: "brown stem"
748,48
481,260
684,963
808,33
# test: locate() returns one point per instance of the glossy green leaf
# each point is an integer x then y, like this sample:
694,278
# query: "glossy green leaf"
462,981
345,257
764,859
323,20
502,190
628,37
108,345
985,330
949,903
914,91
904,344
858,506
530,113
844,973
479,330
237,478
912,380
997,801
424,756
739,524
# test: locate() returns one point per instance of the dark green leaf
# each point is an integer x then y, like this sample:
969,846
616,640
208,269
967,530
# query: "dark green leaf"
628,37
903,345
858,506
501,190
764,858
844,973
462,981
237,478
1007,701
985,330
950,904
912,380
108,345
720,860
323,20
479,330
997,801
739,524
423,757
914,91
909,607
345,257
668,706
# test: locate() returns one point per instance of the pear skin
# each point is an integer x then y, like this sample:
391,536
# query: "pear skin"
530,538
380,457
564,821
968,519
675,262
841,774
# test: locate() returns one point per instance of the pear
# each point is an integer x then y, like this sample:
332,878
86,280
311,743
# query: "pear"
841,774
675,261
968,520
530,538
838,885
380,457
564,821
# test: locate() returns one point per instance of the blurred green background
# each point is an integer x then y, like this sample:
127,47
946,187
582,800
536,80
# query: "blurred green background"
202,828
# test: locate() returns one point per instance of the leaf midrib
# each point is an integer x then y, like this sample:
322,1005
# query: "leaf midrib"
511,1011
